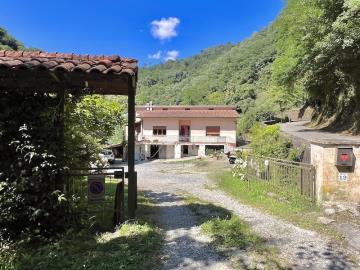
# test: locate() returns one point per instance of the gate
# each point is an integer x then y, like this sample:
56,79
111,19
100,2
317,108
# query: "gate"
293,176
98,194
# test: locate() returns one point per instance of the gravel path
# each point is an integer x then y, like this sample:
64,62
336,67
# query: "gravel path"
187,249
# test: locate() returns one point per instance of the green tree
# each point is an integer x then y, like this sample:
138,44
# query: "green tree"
318,52
89,124
267,141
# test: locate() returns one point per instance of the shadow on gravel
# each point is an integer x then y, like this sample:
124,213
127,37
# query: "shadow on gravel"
184,247
188,252
336,260
187,249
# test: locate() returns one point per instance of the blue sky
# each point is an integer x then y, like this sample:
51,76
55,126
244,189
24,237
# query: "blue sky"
148,30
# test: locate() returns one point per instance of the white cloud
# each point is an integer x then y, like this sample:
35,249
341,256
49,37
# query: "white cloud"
165,28
155,56
171,55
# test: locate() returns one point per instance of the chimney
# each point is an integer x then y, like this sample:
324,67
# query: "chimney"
149,106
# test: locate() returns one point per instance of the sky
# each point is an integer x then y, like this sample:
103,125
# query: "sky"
151,31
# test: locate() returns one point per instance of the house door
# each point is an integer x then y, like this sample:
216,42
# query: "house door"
185,150
184,133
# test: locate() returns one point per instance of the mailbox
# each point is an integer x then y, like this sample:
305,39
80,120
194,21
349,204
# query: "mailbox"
345,157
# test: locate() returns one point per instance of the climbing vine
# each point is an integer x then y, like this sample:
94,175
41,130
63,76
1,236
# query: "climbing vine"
34,158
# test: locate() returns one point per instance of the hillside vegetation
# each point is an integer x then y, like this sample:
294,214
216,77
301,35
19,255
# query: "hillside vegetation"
7,42
308,57
231,74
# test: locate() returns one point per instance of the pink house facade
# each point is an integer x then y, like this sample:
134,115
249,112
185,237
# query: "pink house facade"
168,132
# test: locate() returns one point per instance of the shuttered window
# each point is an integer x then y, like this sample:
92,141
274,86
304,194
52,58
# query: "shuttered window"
159,131
212,131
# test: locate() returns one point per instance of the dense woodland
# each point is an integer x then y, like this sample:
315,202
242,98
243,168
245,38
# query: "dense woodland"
308,57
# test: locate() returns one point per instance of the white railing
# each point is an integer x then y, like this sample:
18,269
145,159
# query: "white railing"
186,139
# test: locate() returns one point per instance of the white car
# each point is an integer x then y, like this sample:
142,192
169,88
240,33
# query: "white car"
109,155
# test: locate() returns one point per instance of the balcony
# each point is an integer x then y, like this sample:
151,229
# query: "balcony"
172,139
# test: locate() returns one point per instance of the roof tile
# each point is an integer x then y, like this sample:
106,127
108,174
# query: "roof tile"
68,62
188,114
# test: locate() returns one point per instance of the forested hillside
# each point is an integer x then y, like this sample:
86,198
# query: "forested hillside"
309,56
318,45
7,42
237,74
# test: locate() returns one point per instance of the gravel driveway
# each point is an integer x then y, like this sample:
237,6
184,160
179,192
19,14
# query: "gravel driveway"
188,249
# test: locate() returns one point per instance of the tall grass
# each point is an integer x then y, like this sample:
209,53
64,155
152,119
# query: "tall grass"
278,201
131,246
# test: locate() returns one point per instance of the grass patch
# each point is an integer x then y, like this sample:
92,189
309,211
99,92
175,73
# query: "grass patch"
132,246
233,237
278,201
232,232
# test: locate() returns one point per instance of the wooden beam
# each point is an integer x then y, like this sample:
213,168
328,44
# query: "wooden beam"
60,128
132,185
51,82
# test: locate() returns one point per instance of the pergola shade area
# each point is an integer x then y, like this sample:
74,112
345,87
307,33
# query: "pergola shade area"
107,75
64,74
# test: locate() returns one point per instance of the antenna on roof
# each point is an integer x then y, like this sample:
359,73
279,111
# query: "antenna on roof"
149,106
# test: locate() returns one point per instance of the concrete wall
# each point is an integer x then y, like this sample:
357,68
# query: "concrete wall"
328,184
170,151
162,152
193,150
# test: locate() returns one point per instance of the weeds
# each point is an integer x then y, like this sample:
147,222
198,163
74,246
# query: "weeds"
132,246
233,237
281,202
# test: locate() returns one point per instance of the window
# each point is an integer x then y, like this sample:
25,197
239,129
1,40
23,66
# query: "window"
212,131
159,131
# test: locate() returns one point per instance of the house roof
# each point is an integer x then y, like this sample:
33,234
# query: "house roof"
103,74
188,112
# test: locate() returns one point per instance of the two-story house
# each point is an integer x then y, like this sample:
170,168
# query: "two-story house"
181,131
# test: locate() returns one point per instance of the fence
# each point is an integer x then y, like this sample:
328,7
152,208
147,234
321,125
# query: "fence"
106,209
294,176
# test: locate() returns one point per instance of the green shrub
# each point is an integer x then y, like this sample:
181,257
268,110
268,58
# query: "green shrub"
267,141
34,159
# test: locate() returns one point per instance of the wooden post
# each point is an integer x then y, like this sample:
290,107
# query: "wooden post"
59,124
132,185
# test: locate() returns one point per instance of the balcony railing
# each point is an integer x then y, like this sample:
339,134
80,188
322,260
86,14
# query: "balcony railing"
186,139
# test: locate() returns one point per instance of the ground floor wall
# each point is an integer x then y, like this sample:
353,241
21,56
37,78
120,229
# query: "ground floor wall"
151,151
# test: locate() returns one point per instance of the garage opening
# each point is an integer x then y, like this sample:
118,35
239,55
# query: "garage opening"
154,151
189,150
211,149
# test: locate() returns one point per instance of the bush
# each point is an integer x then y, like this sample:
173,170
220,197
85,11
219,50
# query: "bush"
34,159
267,141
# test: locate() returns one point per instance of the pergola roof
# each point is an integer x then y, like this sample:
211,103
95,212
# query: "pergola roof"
50,71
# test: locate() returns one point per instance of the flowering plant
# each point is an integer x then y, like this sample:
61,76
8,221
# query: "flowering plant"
240,168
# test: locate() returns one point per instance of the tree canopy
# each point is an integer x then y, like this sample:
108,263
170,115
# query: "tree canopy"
7,42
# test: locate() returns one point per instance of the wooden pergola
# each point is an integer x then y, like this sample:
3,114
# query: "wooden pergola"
62,74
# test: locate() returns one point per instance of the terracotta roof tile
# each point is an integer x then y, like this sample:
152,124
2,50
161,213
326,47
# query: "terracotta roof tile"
188,114
67,62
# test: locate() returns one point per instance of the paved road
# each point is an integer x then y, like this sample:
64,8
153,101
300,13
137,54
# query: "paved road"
301,131
187,248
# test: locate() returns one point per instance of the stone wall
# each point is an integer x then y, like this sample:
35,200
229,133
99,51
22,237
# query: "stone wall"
329,186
